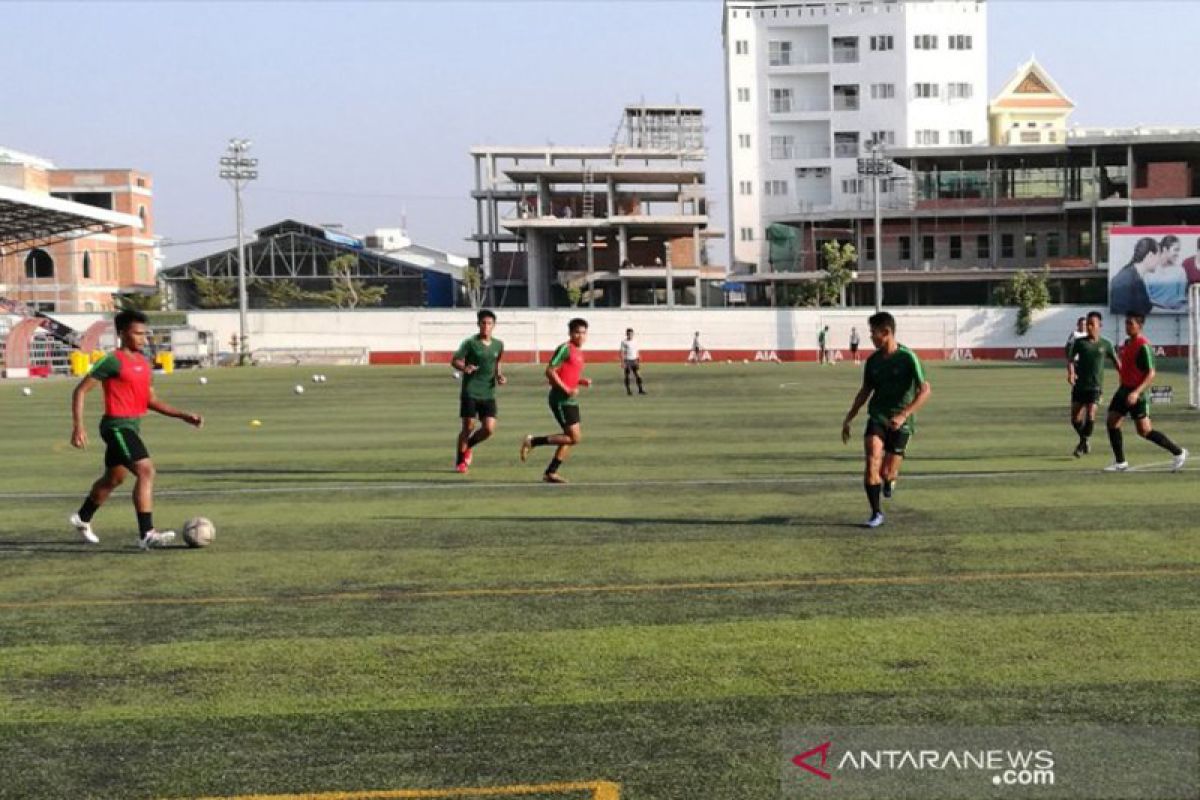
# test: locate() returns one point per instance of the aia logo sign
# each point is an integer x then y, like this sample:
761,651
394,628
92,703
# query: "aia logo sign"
820,751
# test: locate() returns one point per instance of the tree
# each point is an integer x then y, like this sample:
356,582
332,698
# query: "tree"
1029,293
827,290
214,292
283,294
473,283
139,302
574,295
345,291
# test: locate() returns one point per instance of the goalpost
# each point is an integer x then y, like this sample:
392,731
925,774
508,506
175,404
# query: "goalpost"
918,331
437,340
1193,340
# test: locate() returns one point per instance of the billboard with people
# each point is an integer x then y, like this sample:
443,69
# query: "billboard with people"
1150,268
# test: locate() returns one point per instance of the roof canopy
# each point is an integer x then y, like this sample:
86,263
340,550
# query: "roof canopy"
29,219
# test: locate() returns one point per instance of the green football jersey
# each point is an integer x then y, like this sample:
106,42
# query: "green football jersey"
894,381
480,384
1088,357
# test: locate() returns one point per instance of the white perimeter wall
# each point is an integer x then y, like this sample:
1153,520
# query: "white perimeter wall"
755,329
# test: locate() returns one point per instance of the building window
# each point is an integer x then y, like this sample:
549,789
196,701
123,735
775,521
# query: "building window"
845,49
955,247
1006,245
39,264
747,234
881,43
143,268
745,187
783,147
744,141
87,265
961,137
983,247
1031,245
925,42
928,248
1053,248
775,188
852,186
870,248
781,101
960,91
925,90
845,97
779,54
845,144
741,47
883,137
1083,244
905,248
927,136
960,42
883,91
743,94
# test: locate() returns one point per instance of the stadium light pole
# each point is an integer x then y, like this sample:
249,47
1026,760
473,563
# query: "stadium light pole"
238,170
877,166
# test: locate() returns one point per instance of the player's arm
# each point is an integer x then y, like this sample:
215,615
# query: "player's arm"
160,407
1146,361
78,434
560,355
864,394
459,360
923,392
500,379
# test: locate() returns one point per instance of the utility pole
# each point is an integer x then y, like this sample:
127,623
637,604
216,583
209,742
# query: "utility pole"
238,169
877,166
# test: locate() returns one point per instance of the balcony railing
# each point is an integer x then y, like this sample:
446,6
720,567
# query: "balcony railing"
800,58
845,103
845,150
800,105
845,55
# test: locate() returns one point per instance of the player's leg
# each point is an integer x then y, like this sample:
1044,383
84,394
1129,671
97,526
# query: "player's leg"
557,439
113,477
138,462
487,427
637,376
873,467
571,436
463,446
1116,415
627,369
1145,429
895,444
1078,420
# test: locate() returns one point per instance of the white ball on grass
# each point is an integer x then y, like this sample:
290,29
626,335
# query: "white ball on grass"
298,389
199,532
203,380
26,391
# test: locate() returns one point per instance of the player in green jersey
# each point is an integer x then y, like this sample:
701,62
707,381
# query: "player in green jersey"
895,384
478,359
1085,374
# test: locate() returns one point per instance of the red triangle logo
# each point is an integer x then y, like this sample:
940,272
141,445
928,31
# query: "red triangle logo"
801,760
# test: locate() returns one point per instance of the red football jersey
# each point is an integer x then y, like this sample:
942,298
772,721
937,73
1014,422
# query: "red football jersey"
1135,349
126,379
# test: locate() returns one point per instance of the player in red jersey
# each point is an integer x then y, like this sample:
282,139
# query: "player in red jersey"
1136,366
565,374
125,375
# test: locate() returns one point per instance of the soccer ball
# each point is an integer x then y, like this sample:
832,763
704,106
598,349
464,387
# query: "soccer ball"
199,532
26,391
316,378
203,380
298,389
457,375
323,378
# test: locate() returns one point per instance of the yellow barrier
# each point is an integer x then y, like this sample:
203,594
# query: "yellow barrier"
97,355
80,363
166,361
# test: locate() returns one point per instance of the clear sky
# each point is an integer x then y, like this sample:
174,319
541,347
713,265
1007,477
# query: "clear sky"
363,112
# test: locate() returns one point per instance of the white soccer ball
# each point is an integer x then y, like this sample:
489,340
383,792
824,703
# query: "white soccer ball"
298,389
199,532
203,380
26,391
323,378
316,379
457,375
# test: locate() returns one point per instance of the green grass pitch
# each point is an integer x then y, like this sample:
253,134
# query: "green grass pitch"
367,619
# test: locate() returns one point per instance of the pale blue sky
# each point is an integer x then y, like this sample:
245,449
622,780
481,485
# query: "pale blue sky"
360,111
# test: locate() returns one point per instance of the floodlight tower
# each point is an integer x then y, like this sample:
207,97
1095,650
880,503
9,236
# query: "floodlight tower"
238,169
878,167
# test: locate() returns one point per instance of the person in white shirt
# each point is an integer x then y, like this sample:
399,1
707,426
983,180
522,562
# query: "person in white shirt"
630,362
1080,332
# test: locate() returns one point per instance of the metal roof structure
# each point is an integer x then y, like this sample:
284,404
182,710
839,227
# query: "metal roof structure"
30,219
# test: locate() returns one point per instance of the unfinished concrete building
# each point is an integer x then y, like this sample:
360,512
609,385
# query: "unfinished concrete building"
620,225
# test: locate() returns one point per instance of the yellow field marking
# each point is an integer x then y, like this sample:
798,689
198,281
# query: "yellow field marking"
597,790
625,588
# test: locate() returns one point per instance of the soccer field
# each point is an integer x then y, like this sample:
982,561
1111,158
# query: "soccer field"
369,620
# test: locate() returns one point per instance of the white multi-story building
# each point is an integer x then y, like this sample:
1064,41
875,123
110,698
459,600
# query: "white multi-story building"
809,84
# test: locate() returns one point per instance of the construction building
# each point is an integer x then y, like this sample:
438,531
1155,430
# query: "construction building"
78,270
620,225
